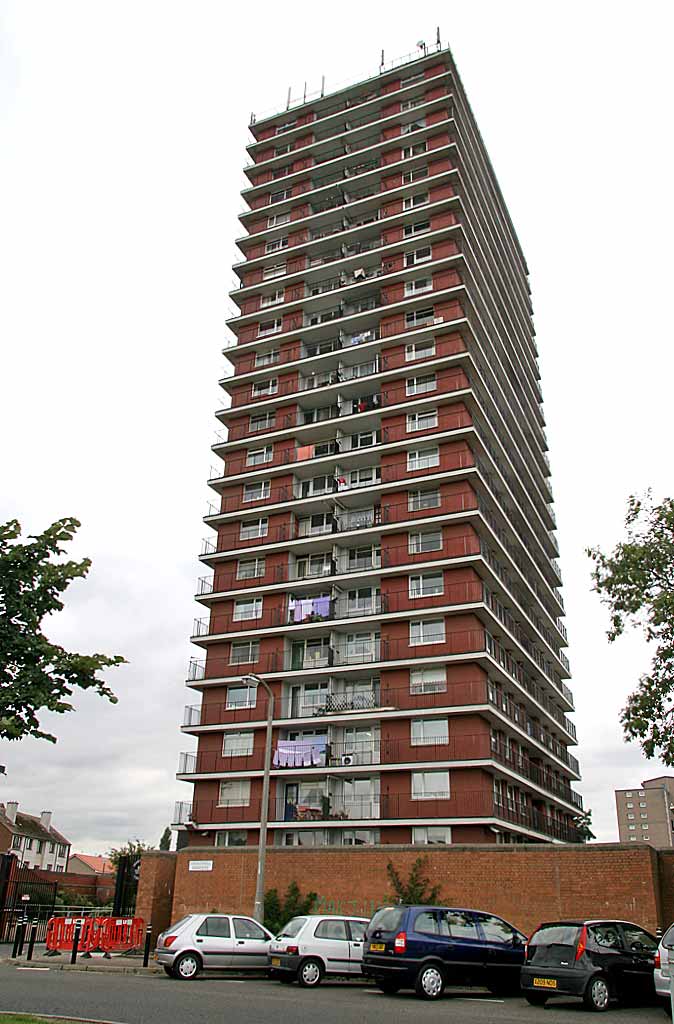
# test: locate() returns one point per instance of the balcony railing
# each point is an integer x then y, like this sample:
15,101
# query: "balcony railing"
476,804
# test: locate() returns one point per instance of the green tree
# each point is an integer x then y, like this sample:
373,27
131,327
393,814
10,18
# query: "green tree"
35,674
165,841
417,889
583,824
278,912
636,582
132,848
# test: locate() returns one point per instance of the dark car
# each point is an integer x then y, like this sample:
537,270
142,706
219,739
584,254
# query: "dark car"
426,948
595,960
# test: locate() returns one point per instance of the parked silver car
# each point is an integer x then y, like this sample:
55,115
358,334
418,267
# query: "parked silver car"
312,946
664,958
213,942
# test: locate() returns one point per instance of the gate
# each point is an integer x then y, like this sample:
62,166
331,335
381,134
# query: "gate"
21,893
126,885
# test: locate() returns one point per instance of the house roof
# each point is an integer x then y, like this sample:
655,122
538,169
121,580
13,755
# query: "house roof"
30,825
101,865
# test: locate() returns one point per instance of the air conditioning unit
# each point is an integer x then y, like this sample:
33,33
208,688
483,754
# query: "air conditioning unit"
348,760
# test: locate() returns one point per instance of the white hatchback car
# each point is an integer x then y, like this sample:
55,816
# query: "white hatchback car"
312,946
213,942
663,964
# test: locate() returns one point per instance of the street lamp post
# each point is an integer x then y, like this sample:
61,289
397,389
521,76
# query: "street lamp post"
258,911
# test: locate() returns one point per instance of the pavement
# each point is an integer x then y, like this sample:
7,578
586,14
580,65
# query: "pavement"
154,999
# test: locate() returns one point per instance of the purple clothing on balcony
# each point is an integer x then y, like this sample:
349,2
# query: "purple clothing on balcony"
300,753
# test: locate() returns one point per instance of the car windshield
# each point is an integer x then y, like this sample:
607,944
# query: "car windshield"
292,928
180,923
555,935
388,919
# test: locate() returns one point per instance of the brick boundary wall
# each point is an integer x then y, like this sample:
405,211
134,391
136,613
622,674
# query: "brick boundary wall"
525,884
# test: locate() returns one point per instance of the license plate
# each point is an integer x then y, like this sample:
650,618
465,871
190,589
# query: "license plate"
275,961
545,983
377,947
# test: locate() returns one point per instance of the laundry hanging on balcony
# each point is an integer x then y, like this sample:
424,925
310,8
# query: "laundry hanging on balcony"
309,609
300,753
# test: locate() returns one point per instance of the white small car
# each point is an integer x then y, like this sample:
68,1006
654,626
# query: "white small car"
312,946
213,942
663,963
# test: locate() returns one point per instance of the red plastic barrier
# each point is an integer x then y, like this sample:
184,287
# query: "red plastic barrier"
105,934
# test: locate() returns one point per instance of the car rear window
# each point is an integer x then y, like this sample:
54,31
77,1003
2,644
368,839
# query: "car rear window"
180,923
555,935
388,919
668,938
292,928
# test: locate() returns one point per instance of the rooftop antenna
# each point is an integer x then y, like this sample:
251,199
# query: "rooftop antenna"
288,103
305,93
322,85
437,38
422,46
381,62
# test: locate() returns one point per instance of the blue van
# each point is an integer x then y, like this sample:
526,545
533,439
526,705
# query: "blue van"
426,948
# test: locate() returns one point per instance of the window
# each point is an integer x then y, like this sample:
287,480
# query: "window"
419,316
277,219
39,844
495,930
278,197
631,817
633,839
422,420
331,929
428,731
430,785
249,608
631,827
273,298
422,284
234,837
409,177
265,387
630,805
428,680
420,385
244,928
276,245
411,202
262,422
413,126
641,815
418,228
357,929
244,652
267,358
432,835
418,543
410,80
241,696
427,631
642,793
409,104
280,150
642,803
258,491
254,528
250,569
215,926
428,584
643,825
418,501
237,744
359,837
629,793
269,327
423,458
258,456
16,842
416,150
234,793
420,349
418,256
29,843
275,270
52,847
638,940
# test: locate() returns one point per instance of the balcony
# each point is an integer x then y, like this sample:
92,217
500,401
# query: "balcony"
477,804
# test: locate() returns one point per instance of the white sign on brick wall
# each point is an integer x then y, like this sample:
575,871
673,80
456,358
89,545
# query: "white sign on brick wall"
201,865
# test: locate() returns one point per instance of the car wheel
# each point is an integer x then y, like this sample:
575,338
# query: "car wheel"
388,987
597,994
536,998
310,973
186,966
430,983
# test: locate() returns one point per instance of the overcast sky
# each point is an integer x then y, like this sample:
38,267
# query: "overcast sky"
122,141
